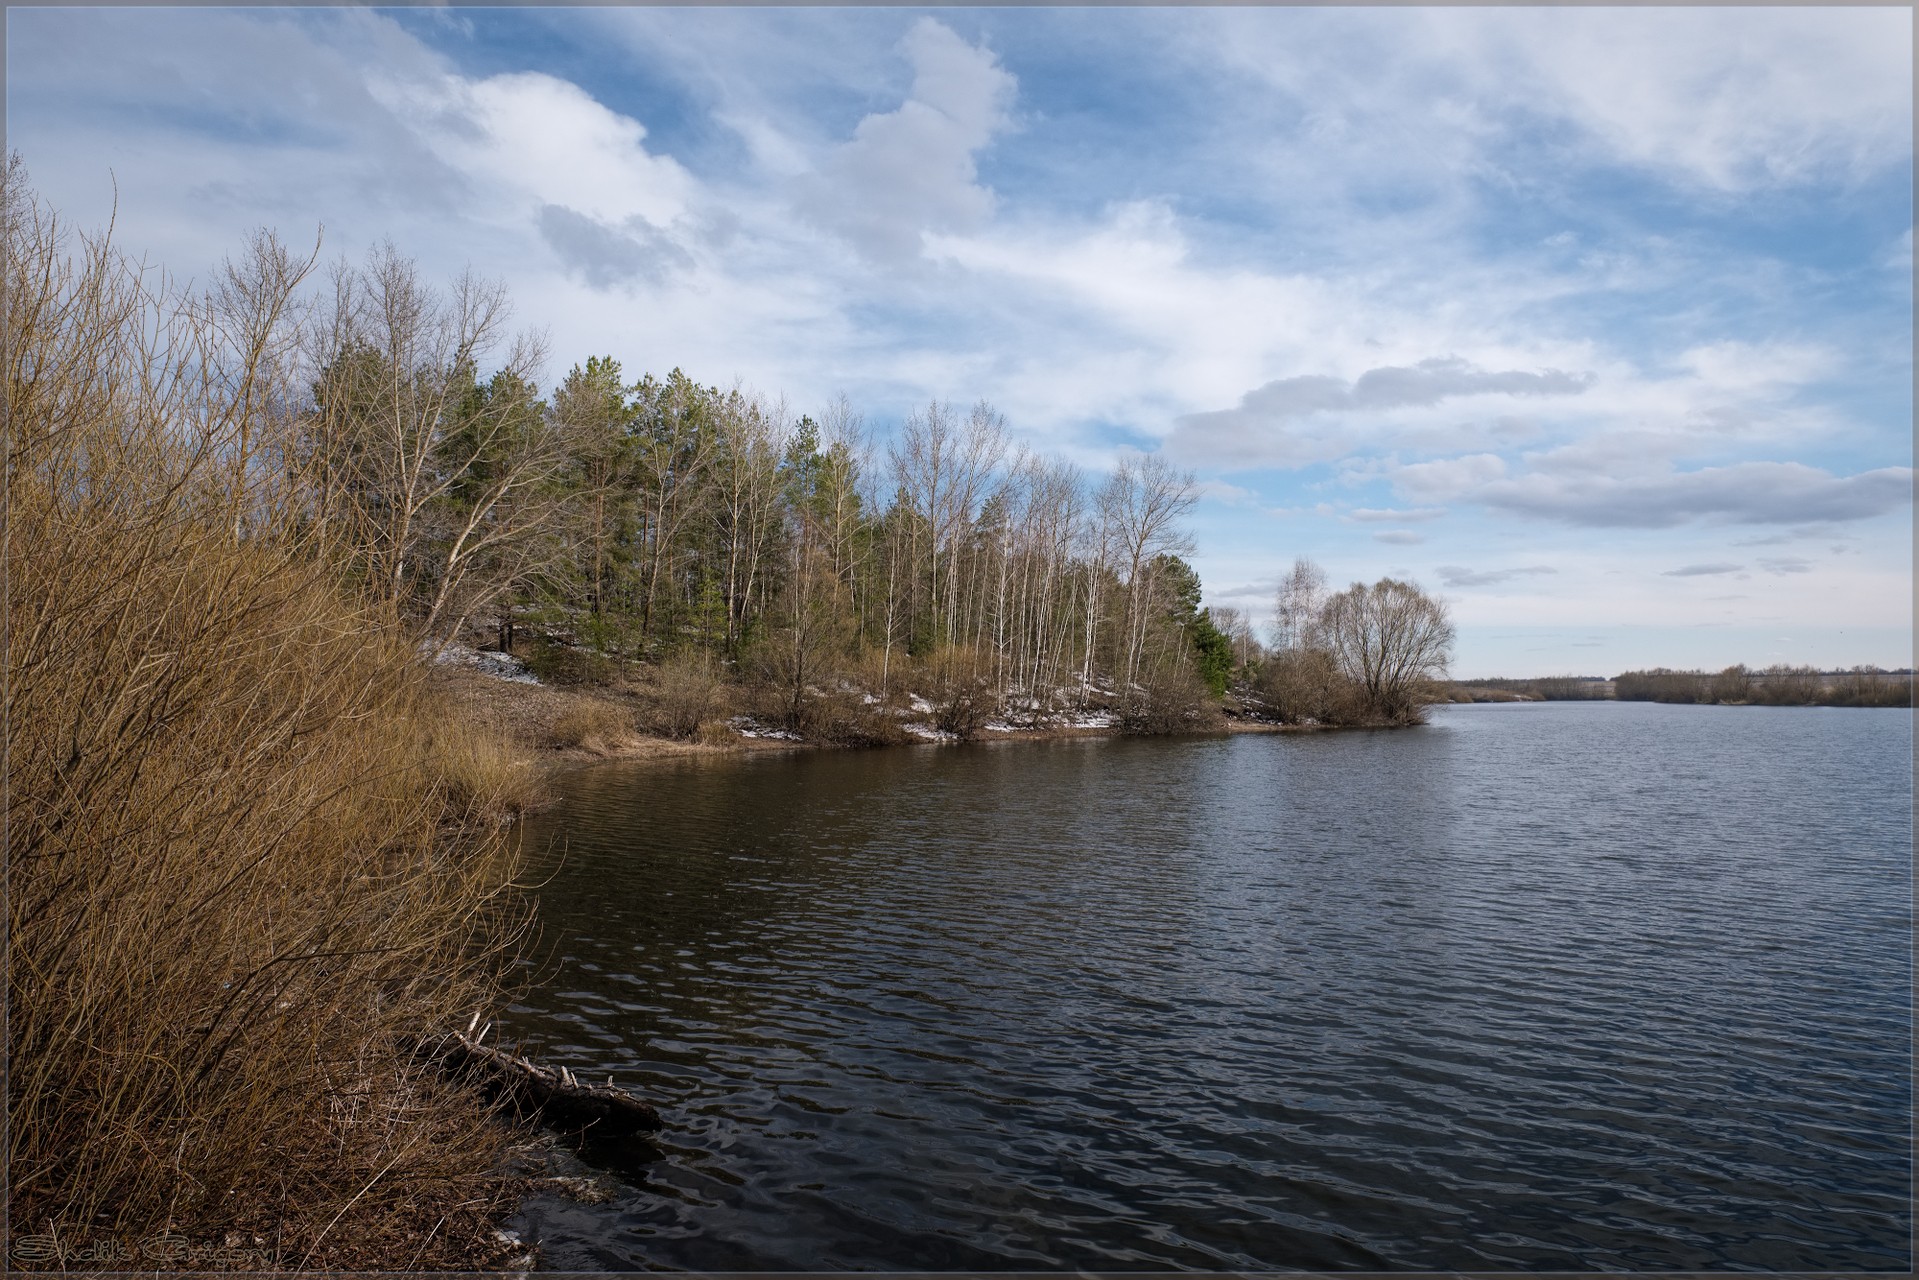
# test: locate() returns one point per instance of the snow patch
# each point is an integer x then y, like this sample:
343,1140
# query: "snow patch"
748,727
501,666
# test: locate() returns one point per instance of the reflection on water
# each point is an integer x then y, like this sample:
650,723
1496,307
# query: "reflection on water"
1563,986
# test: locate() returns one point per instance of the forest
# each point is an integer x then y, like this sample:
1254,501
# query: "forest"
720,550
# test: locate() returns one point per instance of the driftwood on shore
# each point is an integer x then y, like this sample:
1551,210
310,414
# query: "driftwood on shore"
553,1096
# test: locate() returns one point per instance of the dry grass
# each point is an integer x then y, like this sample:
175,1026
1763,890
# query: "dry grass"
482,778
246,856
591,725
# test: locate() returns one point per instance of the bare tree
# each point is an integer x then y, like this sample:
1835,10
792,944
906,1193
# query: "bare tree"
1237,627
922,466
440,482
1391,639
1297,606
752,437
1143,502
849,456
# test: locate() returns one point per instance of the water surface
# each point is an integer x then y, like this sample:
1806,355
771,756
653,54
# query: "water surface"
1560,986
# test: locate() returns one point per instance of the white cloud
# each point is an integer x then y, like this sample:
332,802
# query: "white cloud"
1899,257
1392,515
912,170
546,141
1735,368
1449,477
1231,495
1771,96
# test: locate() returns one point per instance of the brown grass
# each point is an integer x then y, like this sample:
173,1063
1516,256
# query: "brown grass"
589,724
247,854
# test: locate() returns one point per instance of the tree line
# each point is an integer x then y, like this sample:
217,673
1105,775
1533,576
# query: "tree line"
1778,685
655,520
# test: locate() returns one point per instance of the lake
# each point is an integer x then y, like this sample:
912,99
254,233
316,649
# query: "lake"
1561,986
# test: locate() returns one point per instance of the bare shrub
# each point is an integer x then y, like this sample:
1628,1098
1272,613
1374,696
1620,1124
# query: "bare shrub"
961,707
1171,701
686,691
1734,684
240,869
1304,686
846,719
481,779
956,681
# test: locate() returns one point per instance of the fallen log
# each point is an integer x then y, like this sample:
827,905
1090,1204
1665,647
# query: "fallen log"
552,1096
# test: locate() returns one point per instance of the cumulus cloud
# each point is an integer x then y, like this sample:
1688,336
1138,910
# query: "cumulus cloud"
1399,537
1701,570
545,141
912,170
1782,565
1454,575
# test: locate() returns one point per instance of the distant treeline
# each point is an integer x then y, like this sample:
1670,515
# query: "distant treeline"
1538,689
1779,686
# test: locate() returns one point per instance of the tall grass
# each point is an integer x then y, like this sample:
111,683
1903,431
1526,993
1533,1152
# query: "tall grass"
243,866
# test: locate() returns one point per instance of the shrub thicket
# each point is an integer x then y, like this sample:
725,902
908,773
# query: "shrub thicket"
246,858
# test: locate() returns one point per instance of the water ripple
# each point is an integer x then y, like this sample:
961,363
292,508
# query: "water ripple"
1589,987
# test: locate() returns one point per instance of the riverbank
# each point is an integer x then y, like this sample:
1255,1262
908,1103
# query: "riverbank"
561,727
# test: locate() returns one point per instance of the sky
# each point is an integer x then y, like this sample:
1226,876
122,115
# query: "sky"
1597,323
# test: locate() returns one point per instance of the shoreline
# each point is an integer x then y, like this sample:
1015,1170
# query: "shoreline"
525,715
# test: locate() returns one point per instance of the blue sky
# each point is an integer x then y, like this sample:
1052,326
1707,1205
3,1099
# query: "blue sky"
1596,321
